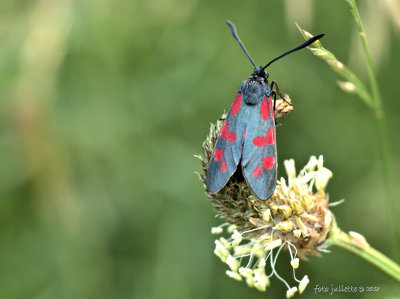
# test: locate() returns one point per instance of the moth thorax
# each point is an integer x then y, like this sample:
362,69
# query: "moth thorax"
253,92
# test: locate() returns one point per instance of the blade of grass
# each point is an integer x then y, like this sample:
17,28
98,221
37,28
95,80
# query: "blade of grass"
379,115
318,50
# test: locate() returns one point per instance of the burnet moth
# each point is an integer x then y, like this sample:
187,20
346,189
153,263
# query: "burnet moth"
248,132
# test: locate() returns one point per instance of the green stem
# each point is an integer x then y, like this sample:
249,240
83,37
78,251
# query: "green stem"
339,238
382,131
372,78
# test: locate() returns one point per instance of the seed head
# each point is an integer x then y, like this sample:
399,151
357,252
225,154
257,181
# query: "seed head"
296,218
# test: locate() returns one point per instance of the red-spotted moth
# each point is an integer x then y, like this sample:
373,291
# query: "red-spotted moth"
248,133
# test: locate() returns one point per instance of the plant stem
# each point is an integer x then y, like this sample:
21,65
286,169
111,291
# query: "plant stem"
339,238
383,143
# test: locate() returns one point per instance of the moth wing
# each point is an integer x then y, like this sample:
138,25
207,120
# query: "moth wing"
229,146
259,158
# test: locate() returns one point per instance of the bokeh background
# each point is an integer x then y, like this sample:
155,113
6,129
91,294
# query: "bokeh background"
104,103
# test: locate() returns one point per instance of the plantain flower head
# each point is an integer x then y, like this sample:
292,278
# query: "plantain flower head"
253,233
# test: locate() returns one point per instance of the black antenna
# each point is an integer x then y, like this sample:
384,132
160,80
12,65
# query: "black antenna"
307,43
233,29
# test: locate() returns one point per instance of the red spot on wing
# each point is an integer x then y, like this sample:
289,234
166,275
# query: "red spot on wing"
224,130
264,109
224,168
259,141
225,133
270,137
268,162
236,104
257,172
231,137
244,133
218,155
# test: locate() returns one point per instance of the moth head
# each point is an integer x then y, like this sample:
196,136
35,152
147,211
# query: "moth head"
260,72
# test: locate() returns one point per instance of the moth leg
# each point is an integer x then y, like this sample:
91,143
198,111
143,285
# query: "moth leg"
273,95
277,90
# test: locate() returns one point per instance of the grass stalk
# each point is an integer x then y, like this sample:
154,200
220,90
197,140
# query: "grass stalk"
383,143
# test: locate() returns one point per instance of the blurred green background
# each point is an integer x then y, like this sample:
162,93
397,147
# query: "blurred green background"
104,104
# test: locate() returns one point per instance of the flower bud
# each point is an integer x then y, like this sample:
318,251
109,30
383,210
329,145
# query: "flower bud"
290,293
296,206
284,226
295,263
246,272
250,281
300,224
267,215
303,284
221,251
312,163
237,238
283,187
307,202
290,168
336,65
297,233
285,211
298,187
233,275
273,244
261,281
231,228
347,86
309,217
322,178
242,250
225,242
216,230
232,263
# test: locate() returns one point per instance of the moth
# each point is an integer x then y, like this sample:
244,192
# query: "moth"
248,134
